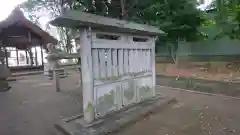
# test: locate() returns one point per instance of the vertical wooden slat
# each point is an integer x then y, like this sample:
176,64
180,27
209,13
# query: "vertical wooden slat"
96,66
109,63
138,63
42,55
126,62
131,64
115,62
120,62
17,56
103,67
144,60
149,60
134,61
140,59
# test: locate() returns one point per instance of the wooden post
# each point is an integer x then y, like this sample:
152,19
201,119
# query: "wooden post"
42,55
26,57
87,74
6,56
17,57
36,60
153,63
56,80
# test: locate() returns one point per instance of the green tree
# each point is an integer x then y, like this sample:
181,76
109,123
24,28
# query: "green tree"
178,18
224,16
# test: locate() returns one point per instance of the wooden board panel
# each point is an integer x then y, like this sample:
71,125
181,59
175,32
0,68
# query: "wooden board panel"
106,98
115,62
109,63
120,62
126,61
96,64
144,87
103,67
129,95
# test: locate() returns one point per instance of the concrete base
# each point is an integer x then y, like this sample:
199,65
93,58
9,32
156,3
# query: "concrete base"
114,121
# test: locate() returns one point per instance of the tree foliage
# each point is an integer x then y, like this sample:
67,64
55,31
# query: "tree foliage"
178,18
224,16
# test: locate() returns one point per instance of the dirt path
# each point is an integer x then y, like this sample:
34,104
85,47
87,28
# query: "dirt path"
194,114
33,106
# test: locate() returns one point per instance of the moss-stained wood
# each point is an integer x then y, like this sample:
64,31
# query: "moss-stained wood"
74,19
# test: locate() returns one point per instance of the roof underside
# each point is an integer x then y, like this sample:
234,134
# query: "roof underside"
76,19
17,31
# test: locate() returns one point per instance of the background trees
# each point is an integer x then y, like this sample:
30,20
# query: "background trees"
180,19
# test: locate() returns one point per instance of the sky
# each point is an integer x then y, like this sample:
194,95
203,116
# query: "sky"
7,6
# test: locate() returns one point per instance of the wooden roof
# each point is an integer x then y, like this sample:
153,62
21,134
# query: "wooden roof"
17,31
75,19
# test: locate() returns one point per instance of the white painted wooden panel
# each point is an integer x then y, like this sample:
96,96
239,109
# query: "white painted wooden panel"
109,63
131,61
115,62
103,67
135,62
120,62
144,60
144,87
118,45
96,64
138,61
106,98
129,95
126,60
149,66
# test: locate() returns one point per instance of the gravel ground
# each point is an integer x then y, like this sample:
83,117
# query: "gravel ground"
194,114
32,106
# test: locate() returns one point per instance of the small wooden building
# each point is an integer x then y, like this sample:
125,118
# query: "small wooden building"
24,40
117,61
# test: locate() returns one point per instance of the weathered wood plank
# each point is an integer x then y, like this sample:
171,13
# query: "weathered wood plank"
109,63
115,62
75,18
103,67
126,61
119,45
96,64
120,62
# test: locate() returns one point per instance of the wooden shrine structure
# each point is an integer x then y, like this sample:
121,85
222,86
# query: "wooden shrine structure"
117,61
18,34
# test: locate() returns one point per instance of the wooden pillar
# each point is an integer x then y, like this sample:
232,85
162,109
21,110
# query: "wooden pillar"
26,57
6,56
36,60
87,74
153,63
42,54
17,57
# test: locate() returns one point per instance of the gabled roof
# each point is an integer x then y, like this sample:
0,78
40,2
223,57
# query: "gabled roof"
18,18
75,19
